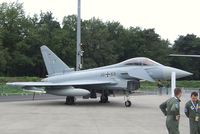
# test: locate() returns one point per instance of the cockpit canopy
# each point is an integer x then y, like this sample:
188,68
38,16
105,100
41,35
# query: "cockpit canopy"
140,61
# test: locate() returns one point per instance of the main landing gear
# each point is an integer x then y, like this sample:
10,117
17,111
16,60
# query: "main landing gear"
104,98
70,100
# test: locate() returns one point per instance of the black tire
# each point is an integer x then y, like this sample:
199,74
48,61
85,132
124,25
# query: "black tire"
104,99
70,100
127,103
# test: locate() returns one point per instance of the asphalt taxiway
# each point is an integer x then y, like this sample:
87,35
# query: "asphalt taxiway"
29,97
87,117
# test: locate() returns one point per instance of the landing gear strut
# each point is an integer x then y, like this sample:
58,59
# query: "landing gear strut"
104,98
70,100
127,102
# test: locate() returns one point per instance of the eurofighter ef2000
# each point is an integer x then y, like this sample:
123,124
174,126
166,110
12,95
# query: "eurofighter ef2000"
123,77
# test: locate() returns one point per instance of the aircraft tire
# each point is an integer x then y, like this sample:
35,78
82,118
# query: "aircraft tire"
127,103
70,100
104,99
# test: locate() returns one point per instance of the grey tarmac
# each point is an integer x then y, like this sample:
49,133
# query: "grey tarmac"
87,117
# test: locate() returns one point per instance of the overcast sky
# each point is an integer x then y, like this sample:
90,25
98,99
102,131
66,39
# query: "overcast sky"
170,18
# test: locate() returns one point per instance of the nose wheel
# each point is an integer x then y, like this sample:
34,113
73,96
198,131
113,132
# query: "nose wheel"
128,103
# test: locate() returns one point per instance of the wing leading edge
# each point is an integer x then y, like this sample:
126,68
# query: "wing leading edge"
50,84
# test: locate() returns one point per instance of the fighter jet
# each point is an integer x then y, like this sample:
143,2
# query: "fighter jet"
123,77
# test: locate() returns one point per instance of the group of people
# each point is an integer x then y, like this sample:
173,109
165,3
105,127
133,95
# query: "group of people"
171,109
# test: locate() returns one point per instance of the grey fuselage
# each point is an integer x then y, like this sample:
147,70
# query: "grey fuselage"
122,73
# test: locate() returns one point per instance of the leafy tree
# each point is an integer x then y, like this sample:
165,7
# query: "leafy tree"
104,43
145,43
12,24
97,44
189,44
68,48
4,57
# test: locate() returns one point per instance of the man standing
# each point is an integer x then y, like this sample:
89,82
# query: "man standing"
160,87
171,109
192,111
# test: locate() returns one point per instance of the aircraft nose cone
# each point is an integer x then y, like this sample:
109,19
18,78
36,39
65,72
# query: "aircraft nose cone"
179,73
182,73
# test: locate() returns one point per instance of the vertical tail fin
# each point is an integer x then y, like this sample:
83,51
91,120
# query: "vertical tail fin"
53,63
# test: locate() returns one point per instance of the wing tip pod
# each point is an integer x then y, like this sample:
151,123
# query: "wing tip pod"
10,83
14,84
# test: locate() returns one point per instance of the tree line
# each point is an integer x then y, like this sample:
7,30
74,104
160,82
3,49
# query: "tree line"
104,43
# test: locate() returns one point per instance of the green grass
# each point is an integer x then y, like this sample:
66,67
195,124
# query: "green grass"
4,80
143,86
190,84
7,90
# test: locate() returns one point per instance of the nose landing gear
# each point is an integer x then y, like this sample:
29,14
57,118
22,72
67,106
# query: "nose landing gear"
127,102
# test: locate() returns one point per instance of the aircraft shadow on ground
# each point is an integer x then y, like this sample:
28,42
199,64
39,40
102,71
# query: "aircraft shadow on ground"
86,103
77,104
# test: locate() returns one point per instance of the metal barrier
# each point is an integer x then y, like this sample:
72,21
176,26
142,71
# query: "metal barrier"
167,91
